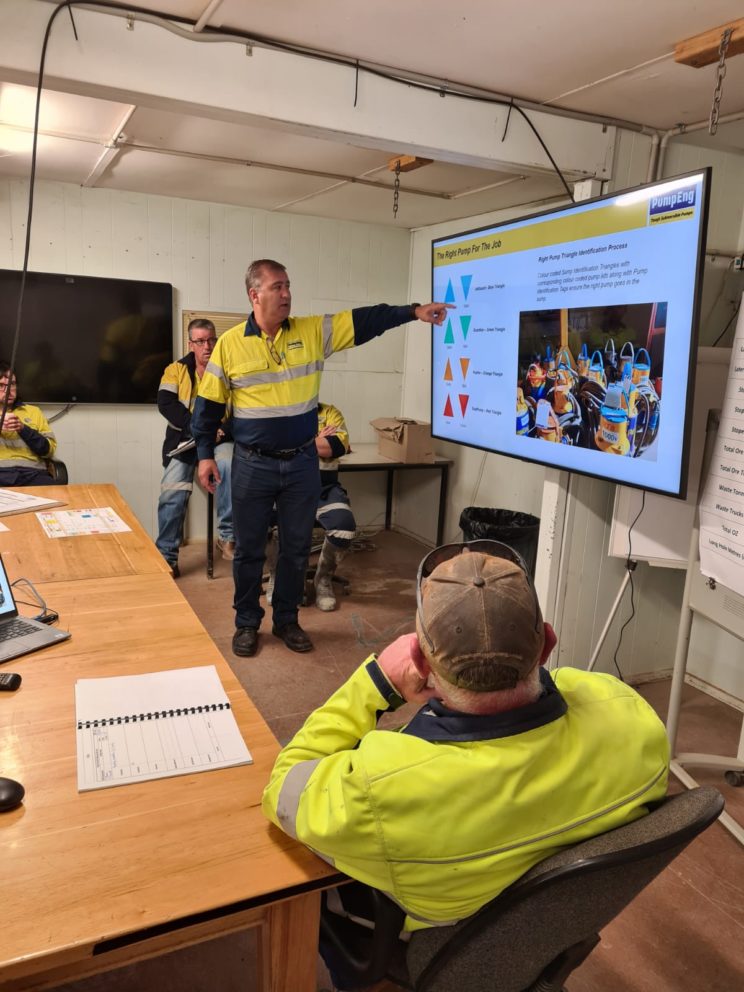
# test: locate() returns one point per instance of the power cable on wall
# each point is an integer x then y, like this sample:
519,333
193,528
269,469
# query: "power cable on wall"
201,36
630,565
354,64
729,323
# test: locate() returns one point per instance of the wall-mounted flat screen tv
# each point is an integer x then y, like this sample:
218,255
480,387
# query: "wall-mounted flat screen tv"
573,334
85,339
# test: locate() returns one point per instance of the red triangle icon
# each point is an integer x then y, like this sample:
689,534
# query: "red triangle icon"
463,402
448,408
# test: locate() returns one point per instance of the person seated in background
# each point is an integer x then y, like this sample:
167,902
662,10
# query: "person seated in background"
334,509
26,439
176,395
503,765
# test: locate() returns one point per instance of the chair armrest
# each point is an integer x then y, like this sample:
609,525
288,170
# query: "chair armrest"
365,953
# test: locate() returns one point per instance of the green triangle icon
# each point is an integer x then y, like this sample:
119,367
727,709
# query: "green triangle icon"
449,337
465,325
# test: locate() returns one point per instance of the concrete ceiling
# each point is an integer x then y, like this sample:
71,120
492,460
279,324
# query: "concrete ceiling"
603,59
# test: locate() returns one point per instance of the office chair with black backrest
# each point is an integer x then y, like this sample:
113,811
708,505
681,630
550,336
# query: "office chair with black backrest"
536,932
58,471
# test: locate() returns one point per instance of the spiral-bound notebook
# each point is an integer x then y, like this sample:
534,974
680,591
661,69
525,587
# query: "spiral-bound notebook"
139,727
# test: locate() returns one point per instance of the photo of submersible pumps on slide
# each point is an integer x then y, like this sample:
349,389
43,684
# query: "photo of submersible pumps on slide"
592,377
586,377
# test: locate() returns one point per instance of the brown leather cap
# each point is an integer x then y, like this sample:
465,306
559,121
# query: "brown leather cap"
482,627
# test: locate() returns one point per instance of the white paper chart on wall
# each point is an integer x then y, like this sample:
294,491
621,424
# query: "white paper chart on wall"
661,535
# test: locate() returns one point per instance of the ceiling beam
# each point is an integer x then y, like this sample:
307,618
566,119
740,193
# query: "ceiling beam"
337,177
702,50
110,151
151,67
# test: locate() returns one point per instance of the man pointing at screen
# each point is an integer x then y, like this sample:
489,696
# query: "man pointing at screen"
269,368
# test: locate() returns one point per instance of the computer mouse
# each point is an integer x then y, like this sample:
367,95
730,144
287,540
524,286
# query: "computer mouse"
11,794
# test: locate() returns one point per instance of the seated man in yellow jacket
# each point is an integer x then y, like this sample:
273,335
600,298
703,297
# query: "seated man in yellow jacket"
26,439
334,513
503,765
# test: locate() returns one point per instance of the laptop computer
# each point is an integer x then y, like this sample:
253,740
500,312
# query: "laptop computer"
21,635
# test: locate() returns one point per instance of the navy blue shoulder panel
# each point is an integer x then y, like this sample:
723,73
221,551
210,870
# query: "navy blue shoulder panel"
435,722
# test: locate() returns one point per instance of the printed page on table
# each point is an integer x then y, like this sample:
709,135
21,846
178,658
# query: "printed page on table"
79,523
13,501
140,727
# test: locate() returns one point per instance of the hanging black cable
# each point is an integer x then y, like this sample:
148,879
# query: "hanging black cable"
331,59
630,565
729,323
30,210
279,46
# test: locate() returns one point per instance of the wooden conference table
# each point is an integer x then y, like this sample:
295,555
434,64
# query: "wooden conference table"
365,458
95,880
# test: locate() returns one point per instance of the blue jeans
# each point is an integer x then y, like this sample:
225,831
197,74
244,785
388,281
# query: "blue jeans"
26,477
176,487
258,483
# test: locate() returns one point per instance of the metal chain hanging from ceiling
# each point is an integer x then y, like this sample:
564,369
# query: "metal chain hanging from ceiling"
396,190
720,74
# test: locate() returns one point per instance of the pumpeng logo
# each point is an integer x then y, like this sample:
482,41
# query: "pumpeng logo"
676,200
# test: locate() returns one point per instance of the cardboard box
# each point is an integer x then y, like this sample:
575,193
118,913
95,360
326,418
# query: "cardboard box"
404,440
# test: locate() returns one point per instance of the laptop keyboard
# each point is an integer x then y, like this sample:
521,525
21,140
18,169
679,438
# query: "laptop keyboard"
15,628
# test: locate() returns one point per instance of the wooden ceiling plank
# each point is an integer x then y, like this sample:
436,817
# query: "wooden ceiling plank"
702,49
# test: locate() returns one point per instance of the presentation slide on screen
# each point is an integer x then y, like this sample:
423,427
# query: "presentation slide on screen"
570,335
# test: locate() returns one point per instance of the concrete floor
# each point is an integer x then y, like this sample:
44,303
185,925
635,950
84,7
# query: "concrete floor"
682,934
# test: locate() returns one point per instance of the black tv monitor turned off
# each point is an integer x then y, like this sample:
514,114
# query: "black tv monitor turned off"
86,339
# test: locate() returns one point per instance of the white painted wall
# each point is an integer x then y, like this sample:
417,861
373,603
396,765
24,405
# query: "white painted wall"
591,578
203,250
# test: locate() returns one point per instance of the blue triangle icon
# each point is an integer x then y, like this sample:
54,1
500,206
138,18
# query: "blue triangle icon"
466,280
449,296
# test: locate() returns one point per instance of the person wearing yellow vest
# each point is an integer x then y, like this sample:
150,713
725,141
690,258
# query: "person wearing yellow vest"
26,439
334,513
269,367
503,765
176,396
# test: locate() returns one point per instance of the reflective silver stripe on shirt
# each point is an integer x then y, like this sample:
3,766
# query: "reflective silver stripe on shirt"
529,841
289,795
327,335
325,857
168,387
283,375
263,412
33,461
14,442
216,371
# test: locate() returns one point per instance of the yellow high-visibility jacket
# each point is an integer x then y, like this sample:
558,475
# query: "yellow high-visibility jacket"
32,444
445,813
179,385
331,416
274,384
